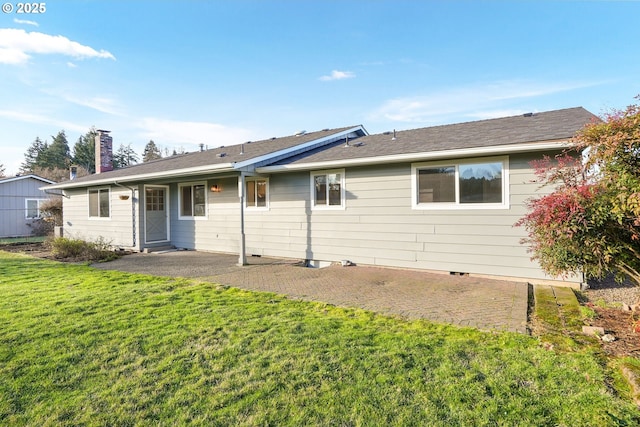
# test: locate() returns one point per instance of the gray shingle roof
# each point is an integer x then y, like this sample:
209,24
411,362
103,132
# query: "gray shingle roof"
529,128
217,156
538,127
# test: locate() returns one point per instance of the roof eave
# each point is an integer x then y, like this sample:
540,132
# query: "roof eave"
17,178
423,156
223,167
304,146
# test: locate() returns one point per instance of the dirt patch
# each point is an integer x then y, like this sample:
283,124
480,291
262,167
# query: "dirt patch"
42,250
37,249
607,298
623,325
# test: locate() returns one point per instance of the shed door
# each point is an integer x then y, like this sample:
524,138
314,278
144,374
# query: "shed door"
156,214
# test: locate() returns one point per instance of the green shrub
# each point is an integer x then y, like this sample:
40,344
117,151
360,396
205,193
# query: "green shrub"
80,250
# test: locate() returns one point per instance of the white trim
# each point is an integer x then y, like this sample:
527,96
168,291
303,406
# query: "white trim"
504,160
167,210
214,168
98,189
26,207
312,175
266,196
18,178
423,156
309,144
178,172
193,217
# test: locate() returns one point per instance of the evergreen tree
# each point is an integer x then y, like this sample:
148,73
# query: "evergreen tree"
2,170
124,156
84,151
58,155
34,156
151,152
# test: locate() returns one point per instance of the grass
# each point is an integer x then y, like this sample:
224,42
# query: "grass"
80,346
559,319
27,239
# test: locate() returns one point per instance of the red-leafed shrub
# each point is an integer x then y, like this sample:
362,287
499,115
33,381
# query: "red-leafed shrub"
591,220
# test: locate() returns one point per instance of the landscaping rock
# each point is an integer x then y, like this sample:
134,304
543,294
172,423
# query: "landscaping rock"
608,338
593,330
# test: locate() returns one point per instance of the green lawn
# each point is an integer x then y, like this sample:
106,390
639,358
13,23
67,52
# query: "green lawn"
27,239
80,346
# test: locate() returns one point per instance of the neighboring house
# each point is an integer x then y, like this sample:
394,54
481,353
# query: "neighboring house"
443,198
20,199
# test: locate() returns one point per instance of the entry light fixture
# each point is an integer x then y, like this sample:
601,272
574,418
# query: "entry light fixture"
216,188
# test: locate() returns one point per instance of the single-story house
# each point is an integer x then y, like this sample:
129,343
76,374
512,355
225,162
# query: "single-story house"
20,199
441,198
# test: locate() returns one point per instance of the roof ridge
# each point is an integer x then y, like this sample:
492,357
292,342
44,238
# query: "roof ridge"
488,120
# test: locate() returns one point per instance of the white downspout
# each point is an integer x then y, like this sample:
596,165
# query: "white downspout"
242,256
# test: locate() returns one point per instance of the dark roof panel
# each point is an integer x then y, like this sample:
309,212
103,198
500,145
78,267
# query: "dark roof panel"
217,156
538,127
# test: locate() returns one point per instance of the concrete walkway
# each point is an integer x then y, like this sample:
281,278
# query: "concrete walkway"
463,301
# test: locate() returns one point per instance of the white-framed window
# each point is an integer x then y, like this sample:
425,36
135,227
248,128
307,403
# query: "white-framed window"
462,184
99,203
32,208
327,189
257,193
193,200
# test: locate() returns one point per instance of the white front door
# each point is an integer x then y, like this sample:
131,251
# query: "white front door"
156,214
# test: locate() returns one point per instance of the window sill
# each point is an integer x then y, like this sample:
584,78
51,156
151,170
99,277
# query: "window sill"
460,207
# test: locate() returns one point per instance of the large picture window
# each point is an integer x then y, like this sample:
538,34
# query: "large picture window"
327,189
99,203
469,184
257,193
193,200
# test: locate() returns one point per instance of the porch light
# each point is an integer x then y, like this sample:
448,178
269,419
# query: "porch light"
215,188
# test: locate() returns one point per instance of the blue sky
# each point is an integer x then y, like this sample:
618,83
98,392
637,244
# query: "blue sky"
225,72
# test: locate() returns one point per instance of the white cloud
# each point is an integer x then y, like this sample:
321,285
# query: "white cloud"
475,102
71,65
12,56
17,45
174,132
25,22
102,104
42,120
338,75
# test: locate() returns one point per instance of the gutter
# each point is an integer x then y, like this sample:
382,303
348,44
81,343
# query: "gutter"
179,172
413,157
47,191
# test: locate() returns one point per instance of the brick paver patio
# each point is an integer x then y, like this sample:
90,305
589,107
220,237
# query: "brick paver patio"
464,301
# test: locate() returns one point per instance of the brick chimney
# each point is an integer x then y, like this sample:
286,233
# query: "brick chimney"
104,151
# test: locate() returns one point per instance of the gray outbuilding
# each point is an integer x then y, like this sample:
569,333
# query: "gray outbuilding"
20,200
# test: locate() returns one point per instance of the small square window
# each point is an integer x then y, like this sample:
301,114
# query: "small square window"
32,208
193,201
327,189
99,203
257,193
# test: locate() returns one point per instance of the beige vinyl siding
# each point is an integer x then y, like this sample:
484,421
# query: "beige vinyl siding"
379,227
220,231
117,229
